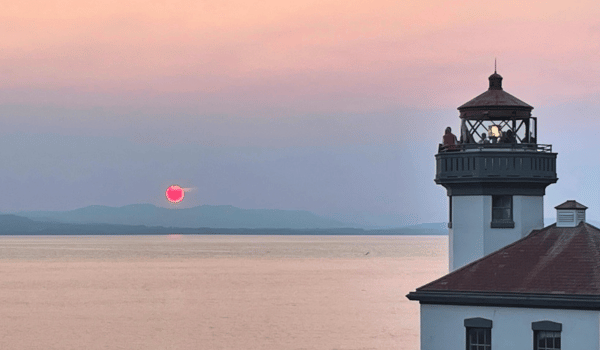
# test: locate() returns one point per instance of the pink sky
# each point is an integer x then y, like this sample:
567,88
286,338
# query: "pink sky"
312,81
247,54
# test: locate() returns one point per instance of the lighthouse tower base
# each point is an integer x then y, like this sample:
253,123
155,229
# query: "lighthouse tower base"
476,235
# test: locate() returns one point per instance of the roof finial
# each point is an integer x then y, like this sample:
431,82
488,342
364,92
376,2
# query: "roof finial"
495,79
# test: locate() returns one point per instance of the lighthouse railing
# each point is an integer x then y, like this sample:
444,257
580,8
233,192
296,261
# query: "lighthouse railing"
471,147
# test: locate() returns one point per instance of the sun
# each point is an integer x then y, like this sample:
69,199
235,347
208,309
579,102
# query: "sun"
175,194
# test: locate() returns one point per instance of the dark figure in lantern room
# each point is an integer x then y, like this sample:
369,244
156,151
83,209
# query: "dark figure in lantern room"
484,138
509,137
449,140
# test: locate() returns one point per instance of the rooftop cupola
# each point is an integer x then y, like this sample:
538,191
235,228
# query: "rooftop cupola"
495,81
570,214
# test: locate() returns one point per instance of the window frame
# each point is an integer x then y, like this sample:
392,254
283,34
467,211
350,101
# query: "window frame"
502,222
547,328
478,324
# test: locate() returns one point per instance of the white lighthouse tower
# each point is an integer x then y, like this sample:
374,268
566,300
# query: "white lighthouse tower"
495,187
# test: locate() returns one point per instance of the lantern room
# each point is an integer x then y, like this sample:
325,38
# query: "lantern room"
498,114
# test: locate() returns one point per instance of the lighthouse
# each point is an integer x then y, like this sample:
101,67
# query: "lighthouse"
495,182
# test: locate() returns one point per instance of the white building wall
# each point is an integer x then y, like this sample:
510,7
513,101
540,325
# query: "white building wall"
471,236
531,212
466,235
442,326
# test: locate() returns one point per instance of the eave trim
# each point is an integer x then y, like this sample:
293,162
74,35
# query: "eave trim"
522,300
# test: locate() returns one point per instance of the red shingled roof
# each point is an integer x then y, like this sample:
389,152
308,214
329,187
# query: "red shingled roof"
570,204
553,260
495,98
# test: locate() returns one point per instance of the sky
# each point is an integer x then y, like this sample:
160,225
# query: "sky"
335,107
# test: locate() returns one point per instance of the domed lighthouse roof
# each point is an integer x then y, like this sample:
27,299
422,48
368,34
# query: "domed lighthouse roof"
495,98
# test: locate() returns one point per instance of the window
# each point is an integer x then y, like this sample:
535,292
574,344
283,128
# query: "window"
502,212
479,334
501,208
546,335
545,340
479,338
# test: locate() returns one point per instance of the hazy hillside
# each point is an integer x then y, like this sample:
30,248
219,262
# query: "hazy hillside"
16,225
224,216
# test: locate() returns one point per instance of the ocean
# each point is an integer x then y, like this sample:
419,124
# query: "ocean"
214,291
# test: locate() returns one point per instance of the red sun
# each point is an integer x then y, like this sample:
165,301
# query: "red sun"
175,194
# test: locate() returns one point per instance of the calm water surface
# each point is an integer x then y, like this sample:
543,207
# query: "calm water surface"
214,292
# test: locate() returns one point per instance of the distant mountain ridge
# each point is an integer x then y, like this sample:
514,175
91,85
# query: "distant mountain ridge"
209,216
17,225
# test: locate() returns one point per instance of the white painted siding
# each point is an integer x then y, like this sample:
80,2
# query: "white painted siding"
531,213
471,236
442,326
469,216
